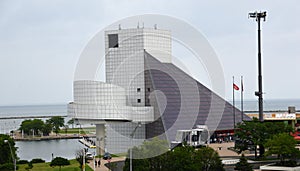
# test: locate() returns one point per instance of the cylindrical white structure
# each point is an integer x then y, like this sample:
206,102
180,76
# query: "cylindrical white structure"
94,100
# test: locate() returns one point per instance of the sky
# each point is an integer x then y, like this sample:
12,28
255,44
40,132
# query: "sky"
41,41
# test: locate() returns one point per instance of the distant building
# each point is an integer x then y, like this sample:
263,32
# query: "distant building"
289,117
142,85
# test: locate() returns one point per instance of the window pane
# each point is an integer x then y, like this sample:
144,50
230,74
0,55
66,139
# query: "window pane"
113,41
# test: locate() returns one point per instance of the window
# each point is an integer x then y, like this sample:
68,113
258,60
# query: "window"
148,89
113,41
138,89
139,100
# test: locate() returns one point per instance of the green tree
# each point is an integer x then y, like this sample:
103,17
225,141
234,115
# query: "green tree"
179,159
7,167
5,152
283,145
251,134
30,166
34,125
59,161
37,125
47,128
66,127
209,159
182,158
26,126
71,122
147,156
57,122
79,157
243,164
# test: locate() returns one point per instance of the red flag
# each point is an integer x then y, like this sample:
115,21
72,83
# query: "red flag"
235,87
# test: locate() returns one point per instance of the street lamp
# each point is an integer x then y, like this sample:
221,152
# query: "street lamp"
12,156
131,137
83,160
258,16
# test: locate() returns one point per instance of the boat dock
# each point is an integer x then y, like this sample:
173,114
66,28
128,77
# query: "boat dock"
87,142
28,117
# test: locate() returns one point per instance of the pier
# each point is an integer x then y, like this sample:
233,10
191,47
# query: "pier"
87,142
51,137
28,117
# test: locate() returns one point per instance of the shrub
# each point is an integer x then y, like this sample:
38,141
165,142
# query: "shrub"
30,166
37,161
59,161
23,162
7,167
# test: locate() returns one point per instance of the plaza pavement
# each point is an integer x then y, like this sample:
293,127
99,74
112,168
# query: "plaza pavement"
103,167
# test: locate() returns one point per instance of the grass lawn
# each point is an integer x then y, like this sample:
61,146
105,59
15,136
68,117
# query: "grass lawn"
78,130
74,166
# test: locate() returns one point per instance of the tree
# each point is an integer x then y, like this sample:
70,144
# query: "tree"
57,122
209,159
30,166
180,155
59,161
243,164
179,159
47,128
283,145
34,125
66,127
37,125
251,134
79,157
147,156
71,122
5,152
26,126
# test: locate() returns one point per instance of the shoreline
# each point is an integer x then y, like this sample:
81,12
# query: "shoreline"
52,137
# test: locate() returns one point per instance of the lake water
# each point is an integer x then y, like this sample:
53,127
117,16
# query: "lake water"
6,125
67,148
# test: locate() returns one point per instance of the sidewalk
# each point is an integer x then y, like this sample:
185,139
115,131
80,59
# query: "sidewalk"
222,149
103,167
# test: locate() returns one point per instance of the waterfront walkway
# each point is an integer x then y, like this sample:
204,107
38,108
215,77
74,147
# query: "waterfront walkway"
18,137
103,162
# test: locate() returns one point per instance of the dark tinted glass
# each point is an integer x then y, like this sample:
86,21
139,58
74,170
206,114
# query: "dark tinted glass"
113,41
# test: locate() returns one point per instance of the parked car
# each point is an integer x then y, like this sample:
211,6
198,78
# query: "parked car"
106,156
89,156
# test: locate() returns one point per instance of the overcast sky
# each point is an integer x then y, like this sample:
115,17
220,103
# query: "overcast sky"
41,41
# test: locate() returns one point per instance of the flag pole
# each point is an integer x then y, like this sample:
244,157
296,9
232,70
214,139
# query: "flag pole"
233,107
242,99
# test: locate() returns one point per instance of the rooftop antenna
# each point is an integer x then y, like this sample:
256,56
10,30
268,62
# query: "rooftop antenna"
155,26
138,26
119,26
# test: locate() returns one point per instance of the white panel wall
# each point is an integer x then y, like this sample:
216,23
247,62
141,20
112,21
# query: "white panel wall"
100,101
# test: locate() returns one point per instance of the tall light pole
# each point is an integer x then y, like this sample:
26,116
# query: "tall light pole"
131,137
12,156
258,16
83,160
